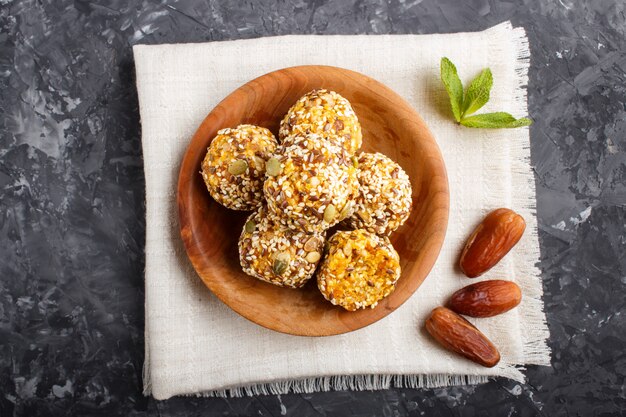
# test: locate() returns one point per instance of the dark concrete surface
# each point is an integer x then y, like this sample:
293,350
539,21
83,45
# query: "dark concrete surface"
72,201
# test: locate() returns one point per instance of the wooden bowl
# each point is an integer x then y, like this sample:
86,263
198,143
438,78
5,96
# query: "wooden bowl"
210,232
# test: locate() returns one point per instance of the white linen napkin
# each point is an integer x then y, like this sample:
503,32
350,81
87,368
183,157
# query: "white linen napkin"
196,344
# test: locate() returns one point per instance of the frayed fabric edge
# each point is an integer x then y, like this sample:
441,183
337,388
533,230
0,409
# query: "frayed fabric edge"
535,333
347,382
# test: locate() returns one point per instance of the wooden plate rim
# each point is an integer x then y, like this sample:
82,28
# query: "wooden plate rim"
184,188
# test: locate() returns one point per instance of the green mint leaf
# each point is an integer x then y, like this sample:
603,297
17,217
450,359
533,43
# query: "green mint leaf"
477,94
496,120
454,87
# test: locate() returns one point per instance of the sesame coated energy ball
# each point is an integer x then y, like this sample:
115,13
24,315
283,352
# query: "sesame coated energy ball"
274,253
326,113
384,201
359,270
234,166
311,183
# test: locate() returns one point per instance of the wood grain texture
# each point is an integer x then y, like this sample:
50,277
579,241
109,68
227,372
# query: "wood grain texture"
390,125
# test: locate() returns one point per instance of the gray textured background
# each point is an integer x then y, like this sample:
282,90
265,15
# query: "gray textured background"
72,201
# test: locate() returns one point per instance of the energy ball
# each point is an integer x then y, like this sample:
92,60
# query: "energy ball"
359,270
274,253
326,113
234,166
384,201
311,183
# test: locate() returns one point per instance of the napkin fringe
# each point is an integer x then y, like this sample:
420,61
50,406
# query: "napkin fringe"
535,331
350,382
145,375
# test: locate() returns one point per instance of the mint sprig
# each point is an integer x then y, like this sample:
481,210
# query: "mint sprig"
476,96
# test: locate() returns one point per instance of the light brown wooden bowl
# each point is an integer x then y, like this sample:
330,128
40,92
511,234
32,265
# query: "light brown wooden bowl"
210,232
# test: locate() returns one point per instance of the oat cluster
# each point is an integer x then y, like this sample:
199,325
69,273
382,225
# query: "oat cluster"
277,254
234,166
384,201
299,188
315,186
359,270
326,113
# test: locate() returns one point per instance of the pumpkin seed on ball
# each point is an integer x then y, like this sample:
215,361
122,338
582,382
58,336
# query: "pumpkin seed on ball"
329,213
238,167
272,167
279,267
250,226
